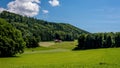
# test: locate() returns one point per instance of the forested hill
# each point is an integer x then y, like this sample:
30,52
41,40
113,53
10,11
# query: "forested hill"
40,29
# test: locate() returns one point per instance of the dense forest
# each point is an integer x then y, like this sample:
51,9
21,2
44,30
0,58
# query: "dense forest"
35,30
98,40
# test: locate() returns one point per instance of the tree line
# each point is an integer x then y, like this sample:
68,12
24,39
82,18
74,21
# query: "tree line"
98,40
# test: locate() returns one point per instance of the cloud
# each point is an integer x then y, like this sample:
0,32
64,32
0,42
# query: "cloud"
54,3
24,7
2,9
27,7
45,11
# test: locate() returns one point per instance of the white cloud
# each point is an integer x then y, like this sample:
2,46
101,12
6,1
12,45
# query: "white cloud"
45,11
2,9
27,7
24,7
37,1
54,3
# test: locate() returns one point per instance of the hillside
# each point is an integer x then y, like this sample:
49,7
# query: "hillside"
41,30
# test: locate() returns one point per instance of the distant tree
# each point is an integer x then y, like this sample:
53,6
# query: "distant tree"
98,40
57,36
11,41
109,41
69,37
81,41
117,39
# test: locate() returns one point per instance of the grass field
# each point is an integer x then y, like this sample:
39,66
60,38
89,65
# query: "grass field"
61,56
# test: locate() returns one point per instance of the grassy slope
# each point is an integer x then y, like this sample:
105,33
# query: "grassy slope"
55,57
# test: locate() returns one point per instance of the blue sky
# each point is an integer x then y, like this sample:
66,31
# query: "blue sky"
90,15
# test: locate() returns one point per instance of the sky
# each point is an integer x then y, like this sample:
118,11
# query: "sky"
90,15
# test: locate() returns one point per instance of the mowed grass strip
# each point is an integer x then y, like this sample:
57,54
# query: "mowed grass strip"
96,58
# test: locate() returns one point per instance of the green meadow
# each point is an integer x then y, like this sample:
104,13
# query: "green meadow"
60,55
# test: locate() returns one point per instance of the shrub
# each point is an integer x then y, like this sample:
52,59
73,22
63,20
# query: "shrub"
11,41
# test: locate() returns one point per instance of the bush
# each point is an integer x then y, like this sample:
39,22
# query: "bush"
11,41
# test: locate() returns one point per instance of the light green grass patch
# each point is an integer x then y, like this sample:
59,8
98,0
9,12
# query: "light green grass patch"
46,44
65,45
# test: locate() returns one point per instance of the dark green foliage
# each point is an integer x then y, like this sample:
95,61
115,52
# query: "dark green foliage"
98,40
81,41
33,42
69,37
41,30
109,41
11,41
57,36
117,39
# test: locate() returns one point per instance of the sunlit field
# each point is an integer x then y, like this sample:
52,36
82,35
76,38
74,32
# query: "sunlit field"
60,56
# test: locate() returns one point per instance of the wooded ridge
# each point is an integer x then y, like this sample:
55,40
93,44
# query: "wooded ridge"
35,30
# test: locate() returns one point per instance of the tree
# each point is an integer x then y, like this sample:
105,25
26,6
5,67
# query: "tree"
33,42
69,37
98,40
117,39
11,41
57,36
81,41
109,41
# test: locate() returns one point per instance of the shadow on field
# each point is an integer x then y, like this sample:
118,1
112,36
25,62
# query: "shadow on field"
79,49
10,57
103,63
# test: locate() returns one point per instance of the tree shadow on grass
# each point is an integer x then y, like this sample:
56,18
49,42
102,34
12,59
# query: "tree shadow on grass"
9,56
